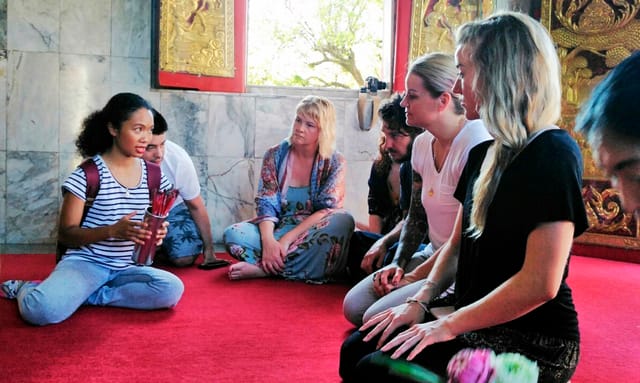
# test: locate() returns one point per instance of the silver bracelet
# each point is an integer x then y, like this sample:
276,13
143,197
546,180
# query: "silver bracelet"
422,305
429,282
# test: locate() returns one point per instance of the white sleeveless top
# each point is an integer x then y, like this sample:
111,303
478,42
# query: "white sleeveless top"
437,197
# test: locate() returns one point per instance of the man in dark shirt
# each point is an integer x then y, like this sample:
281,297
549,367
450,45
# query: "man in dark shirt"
389,193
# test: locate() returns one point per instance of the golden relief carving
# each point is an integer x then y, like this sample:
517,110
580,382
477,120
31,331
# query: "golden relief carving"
608,223
604,212
197,37
592,37
433,23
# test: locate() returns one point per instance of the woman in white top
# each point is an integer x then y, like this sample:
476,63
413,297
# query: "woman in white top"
438,157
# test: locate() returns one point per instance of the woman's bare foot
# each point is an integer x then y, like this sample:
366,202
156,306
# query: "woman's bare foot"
245,270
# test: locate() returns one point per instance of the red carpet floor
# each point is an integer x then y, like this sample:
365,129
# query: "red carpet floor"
607,297
266,331
221,331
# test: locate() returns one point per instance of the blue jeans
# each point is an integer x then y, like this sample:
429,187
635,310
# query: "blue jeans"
362,301
74,283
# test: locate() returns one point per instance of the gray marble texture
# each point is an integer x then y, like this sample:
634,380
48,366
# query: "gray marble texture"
85,86
32,197
3,103
130,28
78,35
3,194
3,28
32,102
33,25
65,59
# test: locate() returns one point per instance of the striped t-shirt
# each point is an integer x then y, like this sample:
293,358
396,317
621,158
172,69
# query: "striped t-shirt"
112,203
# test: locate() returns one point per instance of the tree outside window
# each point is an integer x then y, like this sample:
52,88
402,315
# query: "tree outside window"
315,43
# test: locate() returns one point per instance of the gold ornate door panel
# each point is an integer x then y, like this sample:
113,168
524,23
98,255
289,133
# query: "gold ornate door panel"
433,23
592,37
200,44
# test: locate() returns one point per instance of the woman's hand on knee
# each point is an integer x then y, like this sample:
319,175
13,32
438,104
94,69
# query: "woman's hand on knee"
388,321
418,337
272,259
387,279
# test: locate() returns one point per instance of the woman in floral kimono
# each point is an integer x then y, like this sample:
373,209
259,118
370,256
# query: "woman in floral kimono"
301,231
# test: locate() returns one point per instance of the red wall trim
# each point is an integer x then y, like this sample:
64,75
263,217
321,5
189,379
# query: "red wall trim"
402,43
235,84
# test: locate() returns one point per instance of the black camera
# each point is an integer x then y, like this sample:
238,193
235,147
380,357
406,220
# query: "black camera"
373,85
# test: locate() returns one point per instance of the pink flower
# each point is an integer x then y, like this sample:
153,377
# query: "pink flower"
471,366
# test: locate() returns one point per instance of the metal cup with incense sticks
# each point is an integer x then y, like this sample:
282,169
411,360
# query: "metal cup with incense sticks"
154,216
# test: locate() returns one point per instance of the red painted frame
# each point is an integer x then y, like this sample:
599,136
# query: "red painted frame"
402,43
236,84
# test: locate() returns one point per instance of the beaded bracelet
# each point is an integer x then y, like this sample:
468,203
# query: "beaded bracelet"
423,305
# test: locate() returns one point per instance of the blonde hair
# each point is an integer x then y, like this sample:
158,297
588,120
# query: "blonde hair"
438,73
322,111
517,85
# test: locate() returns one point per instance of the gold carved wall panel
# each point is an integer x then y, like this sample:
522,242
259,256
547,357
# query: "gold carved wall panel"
197,37
592,37
433,23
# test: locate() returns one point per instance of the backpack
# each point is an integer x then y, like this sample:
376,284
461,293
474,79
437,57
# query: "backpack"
93,187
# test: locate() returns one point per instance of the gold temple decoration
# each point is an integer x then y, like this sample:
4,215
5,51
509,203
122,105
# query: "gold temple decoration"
604,212
592,37
433,23
197,37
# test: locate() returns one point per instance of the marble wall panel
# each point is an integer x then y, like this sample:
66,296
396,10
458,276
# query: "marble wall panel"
231,186
341,128
201,163
362,144
85,27
32,197
85,87
3,119
357,189
32,112
3,27
274,118
131,28
132,75
33,25
187,114
232,122
3,196
67,163
3,103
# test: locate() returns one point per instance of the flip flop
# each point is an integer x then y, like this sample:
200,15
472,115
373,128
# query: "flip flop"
214,264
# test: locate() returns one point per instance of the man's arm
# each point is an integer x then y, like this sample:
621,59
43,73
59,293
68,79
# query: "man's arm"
198,212
415,229
375,223
374,257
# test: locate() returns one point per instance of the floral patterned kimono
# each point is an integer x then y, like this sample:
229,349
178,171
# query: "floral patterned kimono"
317,255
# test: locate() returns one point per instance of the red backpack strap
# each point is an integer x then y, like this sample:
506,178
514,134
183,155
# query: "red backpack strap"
93,183
154,175
93,187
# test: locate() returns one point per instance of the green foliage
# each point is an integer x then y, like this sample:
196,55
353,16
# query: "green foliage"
320,43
